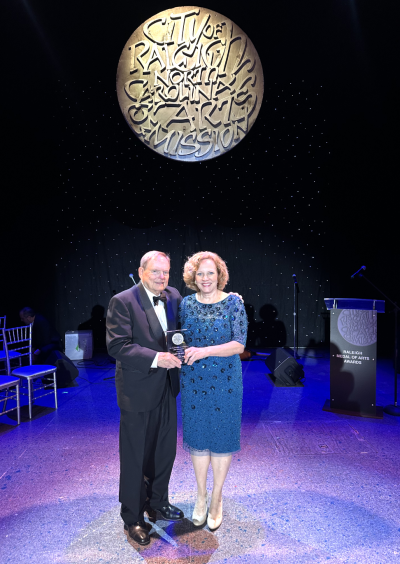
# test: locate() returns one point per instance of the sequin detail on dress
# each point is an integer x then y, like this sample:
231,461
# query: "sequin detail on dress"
212,389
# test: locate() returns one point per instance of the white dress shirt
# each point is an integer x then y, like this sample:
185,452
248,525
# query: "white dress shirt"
162,318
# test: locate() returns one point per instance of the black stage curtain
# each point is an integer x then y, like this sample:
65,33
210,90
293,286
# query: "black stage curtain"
262,207
98,266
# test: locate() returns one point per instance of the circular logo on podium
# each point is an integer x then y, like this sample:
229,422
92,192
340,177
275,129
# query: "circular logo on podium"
190,83
358,327
177,339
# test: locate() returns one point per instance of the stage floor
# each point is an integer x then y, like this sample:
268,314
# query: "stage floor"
307,486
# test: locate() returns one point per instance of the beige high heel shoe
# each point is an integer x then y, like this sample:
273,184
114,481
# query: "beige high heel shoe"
213,524
197,517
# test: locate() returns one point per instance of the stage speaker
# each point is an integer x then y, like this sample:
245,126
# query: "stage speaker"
284,367
66,369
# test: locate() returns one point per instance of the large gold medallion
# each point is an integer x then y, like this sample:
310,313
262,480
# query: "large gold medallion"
190,83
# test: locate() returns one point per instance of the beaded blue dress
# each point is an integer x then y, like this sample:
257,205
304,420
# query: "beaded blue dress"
212,388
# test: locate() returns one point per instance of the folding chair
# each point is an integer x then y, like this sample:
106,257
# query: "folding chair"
12,354
7,383
19,339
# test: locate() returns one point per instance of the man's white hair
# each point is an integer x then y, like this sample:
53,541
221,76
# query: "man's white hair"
150,255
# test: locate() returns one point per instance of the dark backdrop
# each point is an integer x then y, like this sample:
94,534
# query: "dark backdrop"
310,191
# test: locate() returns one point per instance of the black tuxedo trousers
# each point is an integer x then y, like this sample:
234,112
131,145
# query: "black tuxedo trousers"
147,448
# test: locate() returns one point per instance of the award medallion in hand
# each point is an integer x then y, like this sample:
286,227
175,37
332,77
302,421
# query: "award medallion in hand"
176,343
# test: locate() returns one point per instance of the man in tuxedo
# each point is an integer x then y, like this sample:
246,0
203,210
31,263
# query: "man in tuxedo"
147,382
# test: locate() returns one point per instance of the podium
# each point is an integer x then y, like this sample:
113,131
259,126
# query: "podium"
353,341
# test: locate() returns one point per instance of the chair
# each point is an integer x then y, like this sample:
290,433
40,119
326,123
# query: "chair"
6,384
19,339
13,355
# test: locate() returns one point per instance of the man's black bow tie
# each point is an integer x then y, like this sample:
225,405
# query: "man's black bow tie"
161,297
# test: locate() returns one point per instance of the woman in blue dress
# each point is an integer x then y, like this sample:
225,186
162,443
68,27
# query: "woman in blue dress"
211,378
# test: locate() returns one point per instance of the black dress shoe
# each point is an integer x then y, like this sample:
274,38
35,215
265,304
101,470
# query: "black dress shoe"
170,513
148,526
139,532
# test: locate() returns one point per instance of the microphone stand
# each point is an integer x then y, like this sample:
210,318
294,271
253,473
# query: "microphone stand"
295,309
390,409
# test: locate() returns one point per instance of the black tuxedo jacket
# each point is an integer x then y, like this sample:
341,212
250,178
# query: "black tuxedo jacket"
134,336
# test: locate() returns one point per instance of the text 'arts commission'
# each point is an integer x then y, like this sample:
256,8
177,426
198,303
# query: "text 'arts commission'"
190,83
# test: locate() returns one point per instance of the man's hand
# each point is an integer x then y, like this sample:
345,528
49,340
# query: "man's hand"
168,360
236,294
37,351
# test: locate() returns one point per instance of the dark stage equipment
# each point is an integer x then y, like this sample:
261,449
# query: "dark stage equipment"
66,369
358,271
284,368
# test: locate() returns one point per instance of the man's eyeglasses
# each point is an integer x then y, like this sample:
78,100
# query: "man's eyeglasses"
159,272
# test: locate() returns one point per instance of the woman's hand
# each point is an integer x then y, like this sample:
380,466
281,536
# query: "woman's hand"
193,353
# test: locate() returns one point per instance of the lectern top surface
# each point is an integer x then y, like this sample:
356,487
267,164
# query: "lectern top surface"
355,303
